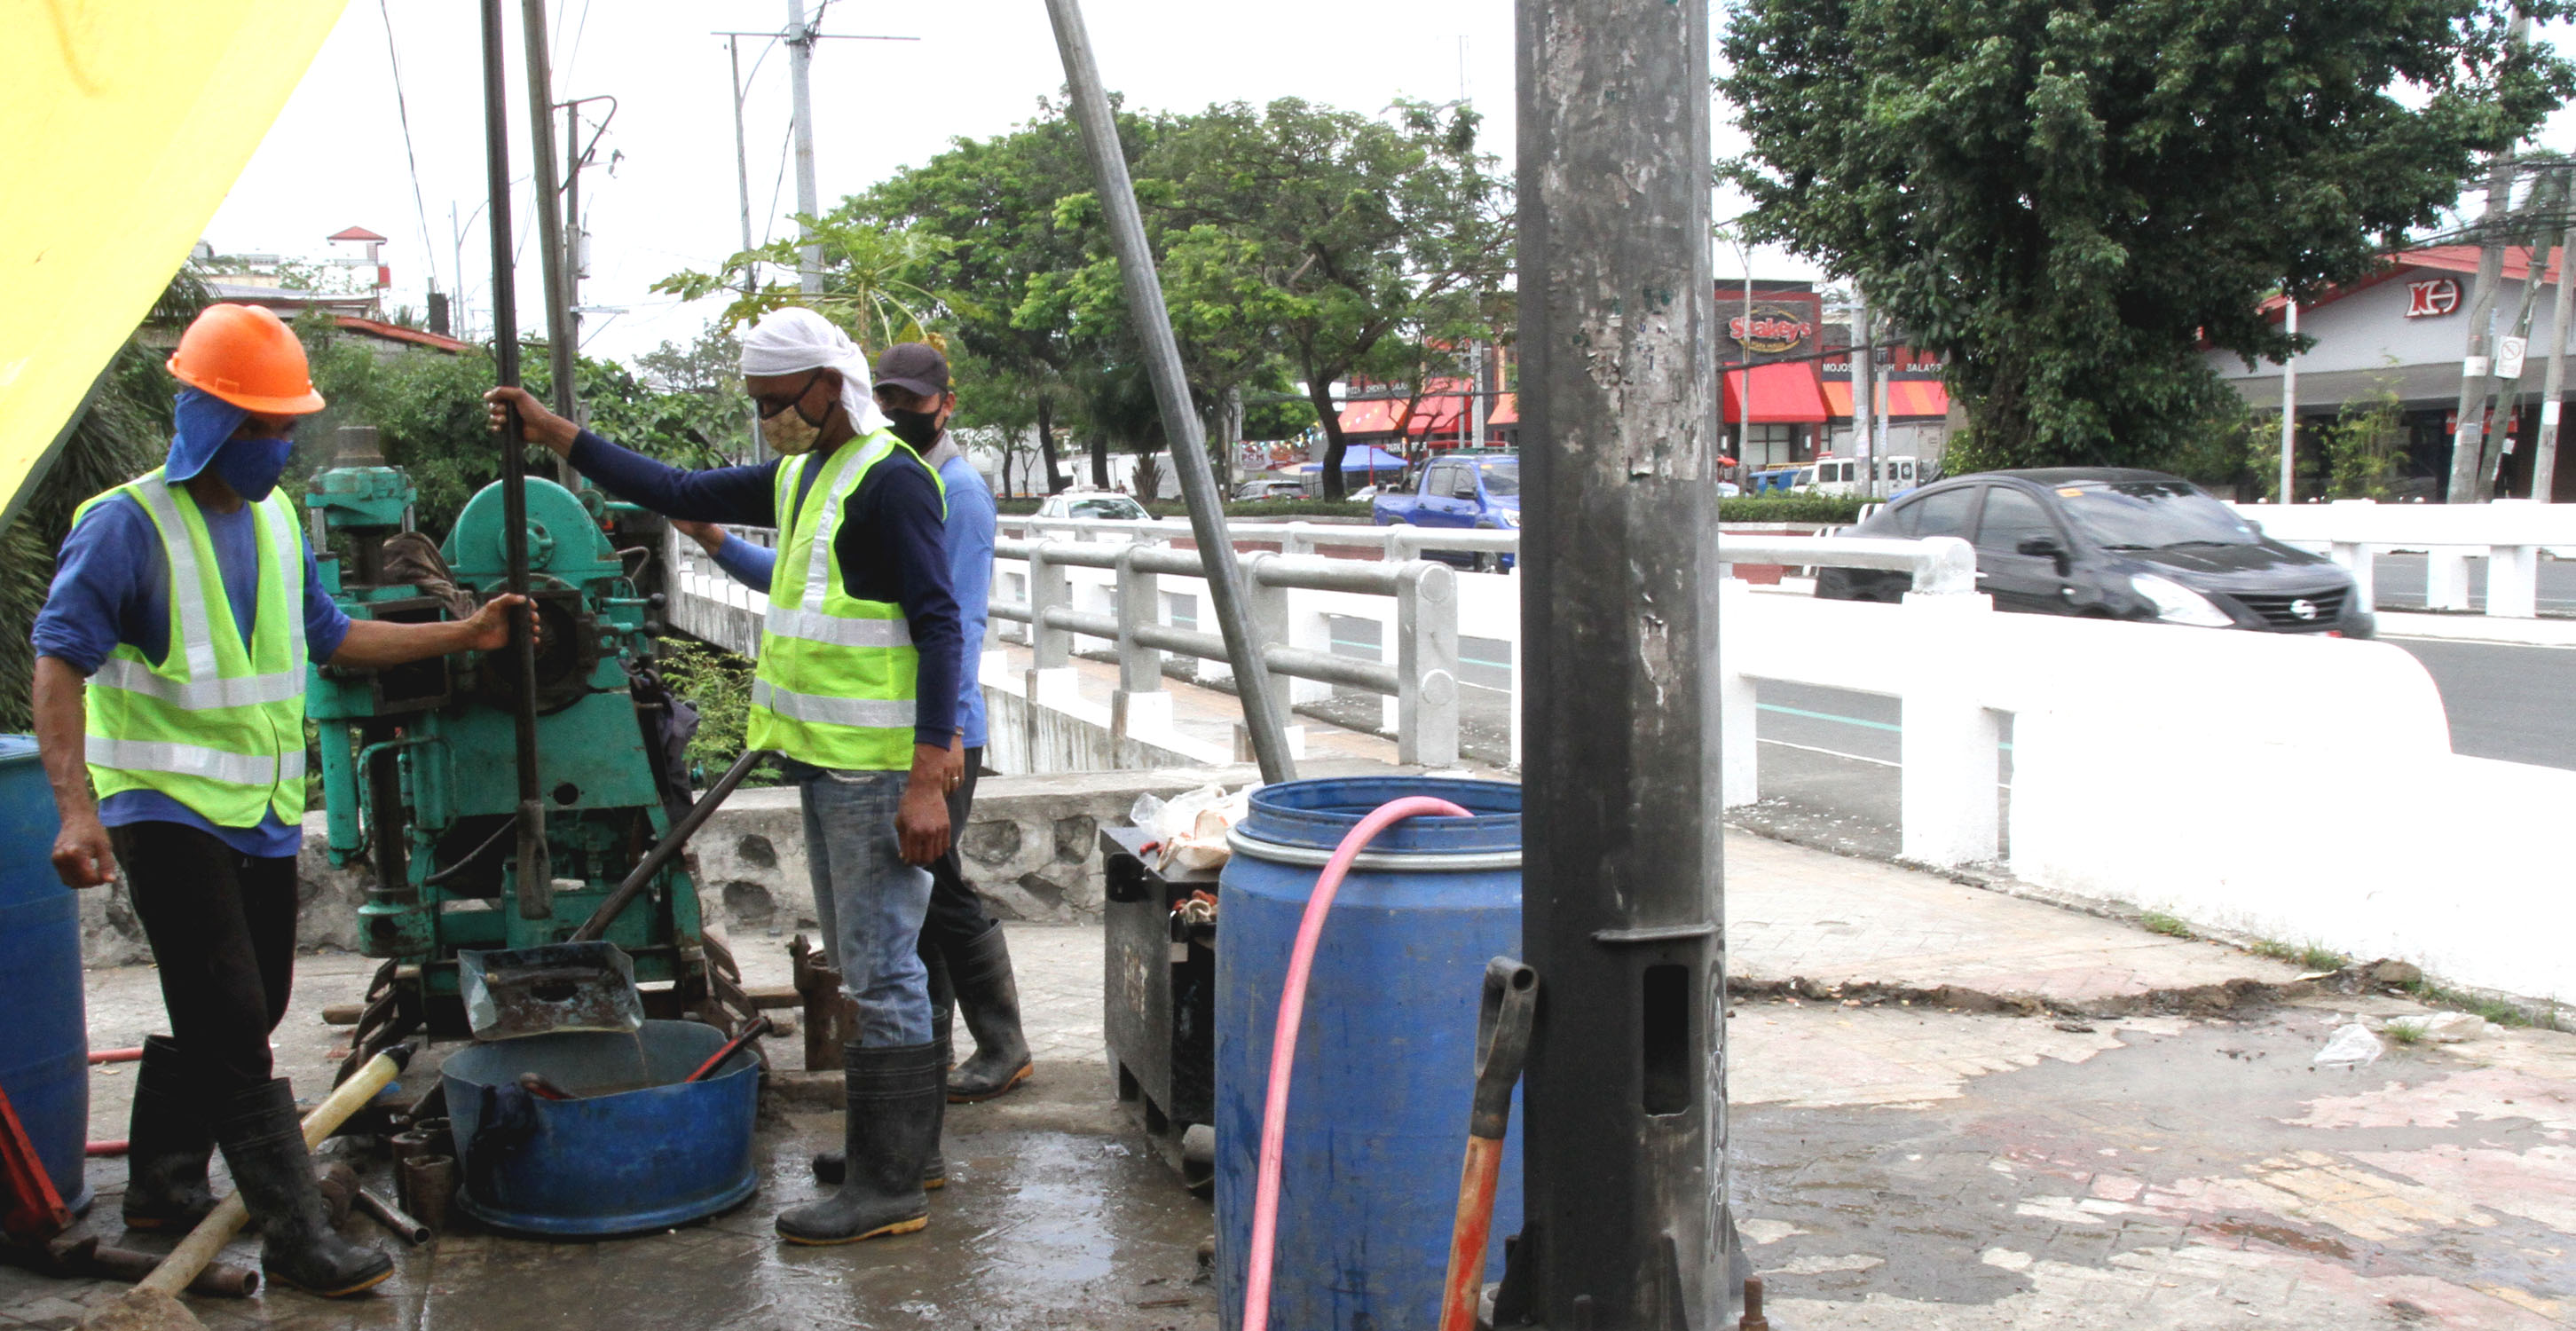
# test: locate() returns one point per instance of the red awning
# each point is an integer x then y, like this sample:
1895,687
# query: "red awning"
1375,415
1904,398
1787,392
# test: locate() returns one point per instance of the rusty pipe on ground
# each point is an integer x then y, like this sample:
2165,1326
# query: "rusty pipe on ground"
1502,1045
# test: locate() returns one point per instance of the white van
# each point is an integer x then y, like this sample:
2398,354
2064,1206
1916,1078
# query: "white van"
1849,476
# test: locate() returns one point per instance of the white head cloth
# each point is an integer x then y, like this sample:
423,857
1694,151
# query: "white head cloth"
796,339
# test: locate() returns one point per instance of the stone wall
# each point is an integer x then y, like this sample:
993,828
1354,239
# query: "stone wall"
1032,849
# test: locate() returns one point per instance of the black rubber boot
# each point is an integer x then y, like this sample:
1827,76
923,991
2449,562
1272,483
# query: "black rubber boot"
888,1134
989,996
831,1166
168,1143
264,1144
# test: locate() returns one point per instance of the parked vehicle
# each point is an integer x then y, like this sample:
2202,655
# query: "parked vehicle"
1482,491
1254,492
1779,480
1101,505
1851,476
2113,543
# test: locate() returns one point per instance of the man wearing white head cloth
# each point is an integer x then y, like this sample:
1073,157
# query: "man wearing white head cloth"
857,688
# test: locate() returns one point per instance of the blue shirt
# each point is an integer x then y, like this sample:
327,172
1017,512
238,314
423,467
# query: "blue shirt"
892,546
112,585
972,519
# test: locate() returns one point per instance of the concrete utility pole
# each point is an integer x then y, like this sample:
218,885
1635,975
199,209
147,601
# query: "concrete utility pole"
800,61
2469,436
1626,1227
1864,373
1265,712
2290,409
2544,458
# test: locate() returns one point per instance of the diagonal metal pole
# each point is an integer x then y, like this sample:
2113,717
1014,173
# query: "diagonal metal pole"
535,879
1262,713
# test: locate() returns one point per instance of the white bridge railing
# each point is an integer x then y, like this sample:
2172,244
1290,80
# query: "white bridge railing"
2243,781
2509,534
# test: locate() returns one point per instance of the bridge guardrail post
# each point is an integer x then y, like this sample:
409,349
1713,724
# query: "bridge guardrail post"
1049,589
1140,705
1949,742
2513,581
1266,606
1739,762
1426,668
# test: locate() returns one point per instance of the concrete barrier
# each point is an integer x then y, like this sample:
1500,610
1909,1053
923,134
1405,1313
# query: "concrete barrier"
2509,534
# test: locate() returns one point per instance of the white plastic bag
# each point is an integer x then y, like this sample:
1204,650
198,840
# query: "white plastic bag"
2351,1046
1189,829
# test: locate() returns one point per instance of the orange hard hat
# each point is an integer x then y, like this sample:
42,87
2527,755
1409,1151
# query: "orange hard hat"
248,357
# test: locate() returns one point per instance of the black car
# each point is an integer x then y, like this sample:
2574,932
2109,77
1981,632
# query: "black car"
2113,543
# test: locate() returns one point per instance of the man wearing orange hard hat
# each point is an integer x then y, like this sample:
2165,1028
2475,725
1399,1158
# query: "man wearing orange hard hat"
169,699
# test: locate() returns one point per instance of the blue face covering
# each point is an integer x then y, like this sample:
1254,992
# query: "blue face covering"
251,466
205,423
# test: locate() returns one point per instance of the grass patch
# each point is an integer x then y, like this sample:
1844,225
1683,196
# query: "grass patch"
2308,956
2403,1032
2171,926
2493,1009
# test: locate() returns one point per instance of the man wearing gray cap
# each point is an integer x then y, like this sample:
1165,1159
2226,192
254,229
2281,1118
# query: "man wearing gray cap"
857,688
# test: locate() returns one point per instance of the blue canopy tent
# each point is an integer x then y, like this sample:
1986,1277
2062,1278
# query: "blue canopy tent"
1367,459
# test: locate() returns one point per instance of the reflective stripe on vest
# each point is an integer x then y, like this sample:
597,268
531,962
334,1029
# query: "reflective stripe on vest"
218,725
240,769
837,675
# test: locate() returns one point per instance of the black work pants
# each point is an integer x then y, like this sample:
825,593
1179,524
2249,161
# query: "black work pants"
956,916
222,929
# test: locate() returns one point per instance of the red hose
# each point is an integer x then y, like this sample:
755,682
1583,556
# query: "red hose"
133,1055
1283,1040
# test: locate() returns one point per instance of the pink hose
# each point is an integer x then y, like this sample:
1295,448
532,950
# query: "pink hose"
1283,1041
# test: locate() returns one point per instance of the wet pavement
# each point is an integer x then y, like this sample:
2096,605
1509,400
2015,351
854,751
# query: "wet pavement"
1951,1108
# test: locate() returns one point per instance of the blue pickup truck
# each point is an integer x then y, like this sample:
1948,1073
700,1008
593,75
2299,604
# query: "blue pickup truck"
1480,490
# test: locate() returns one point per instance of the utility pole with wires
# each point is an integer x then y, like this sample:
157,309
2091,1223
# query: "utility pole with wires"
800,37
2544,458
2468,439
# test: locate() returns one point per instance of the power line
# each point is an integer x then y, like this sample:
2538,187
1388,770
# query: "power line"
402,107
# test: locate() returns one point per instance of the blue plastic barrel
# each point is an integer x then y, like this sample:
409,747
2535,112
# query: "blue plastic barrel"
635,1150
44,1045
1386,1054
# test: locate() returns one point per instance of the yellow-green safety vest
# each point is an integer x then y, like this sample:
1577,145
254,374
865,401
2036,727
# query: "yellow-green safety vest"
218,725
837,677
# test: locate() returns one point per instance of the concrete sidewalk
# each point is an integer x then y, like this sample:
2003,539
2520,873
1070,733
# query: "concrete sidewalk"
1950,1108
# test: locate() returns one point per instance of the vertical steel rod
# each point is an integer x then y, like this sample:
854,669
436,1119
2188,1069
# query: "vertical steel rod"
1266,720
1625,1226
535,877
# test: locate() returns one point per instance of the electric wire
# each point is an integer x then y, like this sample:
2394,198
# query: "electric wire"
402,108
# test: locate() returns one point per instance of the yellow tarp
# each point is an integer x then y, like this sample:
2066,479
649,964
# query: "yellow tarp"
123,123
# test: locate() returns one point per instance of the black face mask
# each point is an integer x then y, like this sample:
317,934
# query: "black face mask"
917,428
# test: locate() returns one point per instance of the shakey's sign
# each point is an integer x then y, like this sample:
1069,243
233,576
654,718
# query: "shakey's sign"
1772,329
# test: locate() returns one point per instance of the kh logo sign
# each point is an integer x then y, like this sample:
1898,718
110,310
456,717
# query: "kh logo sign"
2432,298
1771,330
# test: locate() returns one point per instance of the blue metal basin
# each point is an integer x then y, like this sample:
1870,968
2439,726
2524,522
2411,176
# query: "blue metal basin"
616,1160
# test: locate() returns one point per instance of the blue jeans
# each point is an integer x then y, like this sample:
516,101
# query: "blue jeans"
868,901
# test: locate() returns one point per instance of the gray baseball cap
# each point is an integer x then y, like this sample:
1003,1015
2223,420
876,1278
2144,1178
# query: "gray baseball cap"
914,367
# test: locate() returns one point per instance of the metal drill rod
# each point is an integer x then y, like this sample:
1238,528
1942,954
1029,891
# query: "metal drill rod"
535,874
1266,721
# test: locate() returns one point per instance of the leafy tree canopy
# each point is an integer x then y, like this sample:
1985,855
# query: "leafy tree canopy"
2064,199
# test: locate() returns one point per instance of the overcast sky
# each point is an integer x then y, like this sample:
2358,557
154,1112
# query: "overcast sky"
669,199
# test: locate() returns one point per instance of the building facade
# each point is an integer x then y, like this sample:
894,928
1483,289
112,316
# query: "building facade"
2404,331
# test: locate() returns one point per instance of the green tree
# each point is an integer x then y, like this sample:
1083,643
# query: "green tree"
2066,199
1357,241
999,202
872,280
2365,443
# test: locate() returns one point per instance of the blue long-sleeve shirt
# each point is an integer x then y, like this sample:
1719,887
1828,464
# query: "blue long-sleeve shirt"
892,546
972,518
112,585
